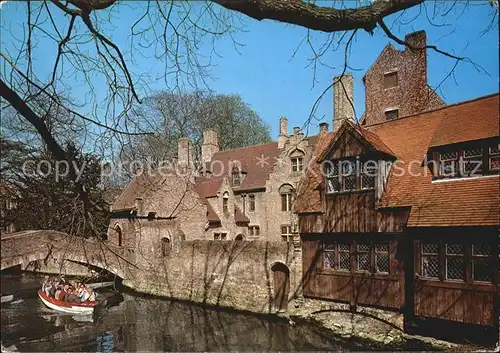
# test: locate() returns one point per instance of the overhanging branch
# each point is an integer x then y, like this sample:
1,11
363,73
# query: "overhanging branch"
326,19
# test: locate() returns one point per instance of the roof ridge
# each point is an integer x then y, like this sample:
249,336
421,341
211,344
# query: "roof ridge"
435,109
242,148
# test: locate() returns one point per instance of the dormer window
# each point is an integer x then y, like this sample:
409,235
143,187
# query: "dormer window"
297,160
348,175
468,160
494,157
236,177
391,79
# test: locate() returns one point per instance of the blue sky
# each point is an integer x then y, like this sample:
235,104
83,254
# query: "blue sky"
263,72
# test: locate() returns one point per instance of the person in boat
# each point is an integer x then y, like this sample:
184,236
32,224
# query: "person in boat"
57,295
44,283
71,296
84,293
92,296
48,287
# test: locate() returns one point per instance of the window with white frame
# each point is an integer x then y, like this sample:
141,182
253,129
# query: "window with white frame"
251,203
220,236
337,256
286,194
448,165
472,161
457,262
367,257
297,160
254,231
494,157
468,160
286,233
349,175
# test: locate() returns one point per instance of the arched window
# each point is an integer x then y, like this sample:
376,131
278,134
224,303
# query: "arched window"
286,193
165,246
239,237
236,176
297,159
225,202
119,234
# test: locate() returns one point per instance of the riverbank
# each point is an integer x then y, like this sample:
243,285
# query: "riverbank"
380,329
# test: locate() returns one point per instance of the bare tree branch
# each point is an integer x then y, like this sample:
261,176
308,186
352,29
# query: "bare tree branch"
326,19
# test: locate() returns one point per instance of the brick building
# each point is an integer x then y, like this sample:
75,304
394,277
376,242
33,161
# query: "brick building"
396,84
247,193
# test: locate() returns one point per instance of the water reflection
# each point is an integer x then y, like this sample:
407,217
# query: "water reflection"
140,324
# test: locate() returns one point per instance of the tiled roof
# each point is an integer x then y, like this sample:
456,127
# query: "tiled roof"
255,161
467,122
208,187
457,202
240,216
309,197
368,138
137,188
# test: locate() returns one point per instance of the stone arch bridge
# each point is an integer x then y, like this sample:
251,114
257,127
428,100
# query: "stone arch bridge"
21,248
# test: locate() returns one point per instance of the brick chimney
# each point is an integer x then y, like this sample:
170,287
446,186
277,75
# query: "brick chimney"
283,136
343,100
323,128
416,39
210,145
185,157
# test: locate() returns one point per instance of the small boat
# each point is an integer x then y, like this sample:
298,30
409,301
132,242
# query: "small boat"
7,298
67,307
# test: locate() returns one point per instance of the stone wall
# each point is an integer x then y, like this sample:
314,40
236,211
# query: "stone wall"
225,273
58,267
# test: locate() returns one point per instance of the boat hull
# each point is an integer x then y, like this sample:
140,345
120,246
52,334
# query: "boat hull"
66,307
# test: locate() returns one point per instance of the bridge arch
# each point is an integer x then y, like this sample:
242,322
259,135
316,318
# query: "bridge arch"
24,247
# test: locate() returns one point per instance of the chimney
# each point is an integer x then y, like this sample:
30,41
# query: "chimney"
283,136
139,205
296,130
416,39
323,128
210,146
184,152
343,100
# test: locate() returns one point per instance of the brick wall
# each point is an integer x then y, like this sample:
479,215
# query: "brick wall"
412,94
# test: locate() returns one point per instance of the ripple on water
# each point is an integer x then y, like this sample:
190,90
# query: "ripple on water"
140,324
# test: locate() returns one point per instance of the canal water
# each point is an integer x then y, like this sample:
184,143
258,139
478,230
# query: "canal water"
137,323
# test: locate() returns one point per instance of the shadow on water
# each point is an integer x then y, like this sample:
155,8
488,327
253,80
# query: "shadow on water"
150,324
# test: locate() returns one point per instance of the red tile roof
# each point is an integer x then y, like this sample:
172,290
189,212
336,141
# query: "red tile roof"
466,122
255,161
309,194
458,202
368,138
240,216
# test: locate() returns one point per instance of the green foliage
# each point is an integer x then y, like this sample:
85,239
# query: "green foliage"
44,193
